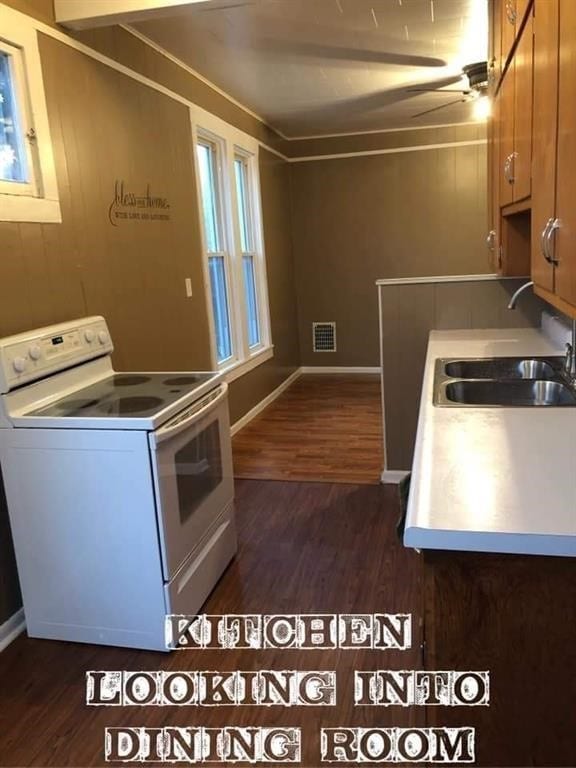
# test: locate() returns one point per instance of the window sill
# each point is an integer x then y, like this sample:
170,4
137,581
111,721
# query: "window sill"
19,208
236,370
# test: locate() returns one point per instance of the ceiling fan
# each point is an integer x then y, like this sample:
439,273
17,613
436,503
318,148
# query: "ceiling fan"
477,75
226,5
300,40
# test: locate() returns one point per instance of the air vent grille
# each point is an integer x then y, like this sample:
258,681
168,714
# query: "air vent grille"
324,337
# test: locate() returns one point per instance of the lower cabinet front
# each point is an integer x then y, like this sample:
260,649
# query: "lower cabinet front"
514,616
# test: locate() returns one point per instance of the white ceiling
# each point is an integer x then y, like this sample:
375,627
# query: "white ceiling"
311,67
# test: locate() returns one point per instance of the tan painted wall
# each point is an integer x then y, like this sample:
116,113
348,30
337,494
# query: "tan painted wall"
359,219
370,142
132,273
106,127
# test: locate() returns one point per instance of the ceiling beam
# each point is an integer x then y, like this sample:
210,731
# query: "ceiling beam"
84,14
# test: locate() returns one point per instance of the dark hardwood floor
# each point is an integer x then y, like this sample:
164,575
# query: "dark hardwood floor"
324,427
303,548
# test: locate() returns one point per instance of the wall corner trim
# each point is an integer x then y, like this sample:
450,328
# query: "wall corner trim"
388,151
268,400
11,628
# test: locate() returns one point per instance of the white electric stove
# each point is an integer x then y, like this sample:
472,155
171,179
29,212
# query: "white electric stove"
119,487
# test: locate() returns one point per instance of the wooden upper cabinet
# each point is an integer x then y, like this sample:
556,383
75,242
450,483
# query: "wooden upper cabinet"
493,132
493,158
545,121
516,122
533,138
495,62
565,272
506,137
522,159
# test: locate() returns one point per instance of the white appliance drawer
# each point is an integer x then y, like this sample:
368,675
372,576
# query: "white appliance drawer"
188,590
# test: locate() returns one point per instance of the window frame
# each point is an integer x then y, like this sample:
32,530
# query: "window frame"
232,143
23,124
207,138
38,199
256,251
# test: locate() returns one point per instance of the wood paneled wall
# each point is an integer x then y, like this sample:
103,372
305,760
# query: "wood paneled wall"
360,219
372,142
132,273
409,313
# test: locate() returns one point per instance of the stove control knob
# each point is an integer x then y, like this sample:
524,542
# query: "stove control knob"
103,337
35,352
89,335
19,364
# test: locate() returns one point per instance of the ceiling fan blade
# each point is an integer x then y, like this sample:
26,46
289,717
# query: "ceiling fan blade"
211,7
442,106
438,90
346,54
372,102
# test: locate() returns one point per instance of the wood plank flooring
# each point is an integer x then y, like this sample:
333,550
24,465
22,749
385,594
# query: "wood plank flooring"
323,428
303,548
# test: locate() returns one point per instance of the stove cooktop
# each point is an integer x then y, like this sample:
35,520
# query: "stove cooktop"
125,395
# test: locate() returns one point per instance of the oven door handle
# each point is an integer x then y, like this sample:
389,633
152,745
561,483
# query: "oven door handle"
189,416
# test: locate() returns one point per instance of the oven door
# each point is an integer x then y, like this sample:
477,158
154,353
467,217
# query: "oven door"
192,466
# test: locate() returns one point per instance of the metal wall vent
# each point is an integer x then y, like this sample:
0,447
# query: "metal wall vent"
324,337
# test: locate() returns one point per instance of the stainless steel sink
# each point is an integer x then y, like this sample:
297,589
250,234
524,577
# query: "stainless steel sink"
503,368
502,382
509,393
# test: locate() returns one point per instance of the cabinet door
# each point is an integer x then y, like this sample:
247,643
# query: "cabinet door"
521,166
513,615
493,241
506,138
565,278
545,118
495,62
508,27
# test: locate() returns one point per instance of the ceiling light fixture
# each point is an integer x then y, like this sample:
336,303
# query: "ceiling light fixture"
482,108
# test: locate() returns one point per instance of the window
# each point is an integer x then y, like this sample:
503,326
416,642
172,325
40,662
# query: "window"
247,243
227,167
28,190
14,165
218,261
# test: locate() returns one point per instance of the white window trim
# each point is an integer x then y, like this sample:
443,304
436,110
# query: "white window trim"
231,142
22,126
41,204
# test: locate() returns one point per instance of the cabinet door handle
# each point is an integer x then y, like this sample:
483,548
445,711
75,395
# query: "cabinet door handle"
509,167
511,11
491,240
554,225
543,237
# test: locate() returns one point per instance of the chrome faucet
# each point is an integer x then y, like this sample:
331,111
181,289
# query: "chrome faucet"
570,359
514,299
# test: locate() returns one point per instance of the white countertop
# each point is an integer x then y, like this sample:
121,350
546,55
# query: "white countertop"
492,479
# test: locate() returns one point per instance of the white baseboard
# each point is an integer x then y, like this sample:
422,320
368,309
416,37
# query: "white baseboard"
393,476
337,369
12,628
247,418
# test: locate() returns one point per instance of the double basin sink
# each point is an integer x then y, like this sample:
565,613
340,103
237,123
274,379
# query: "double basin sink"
503,381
